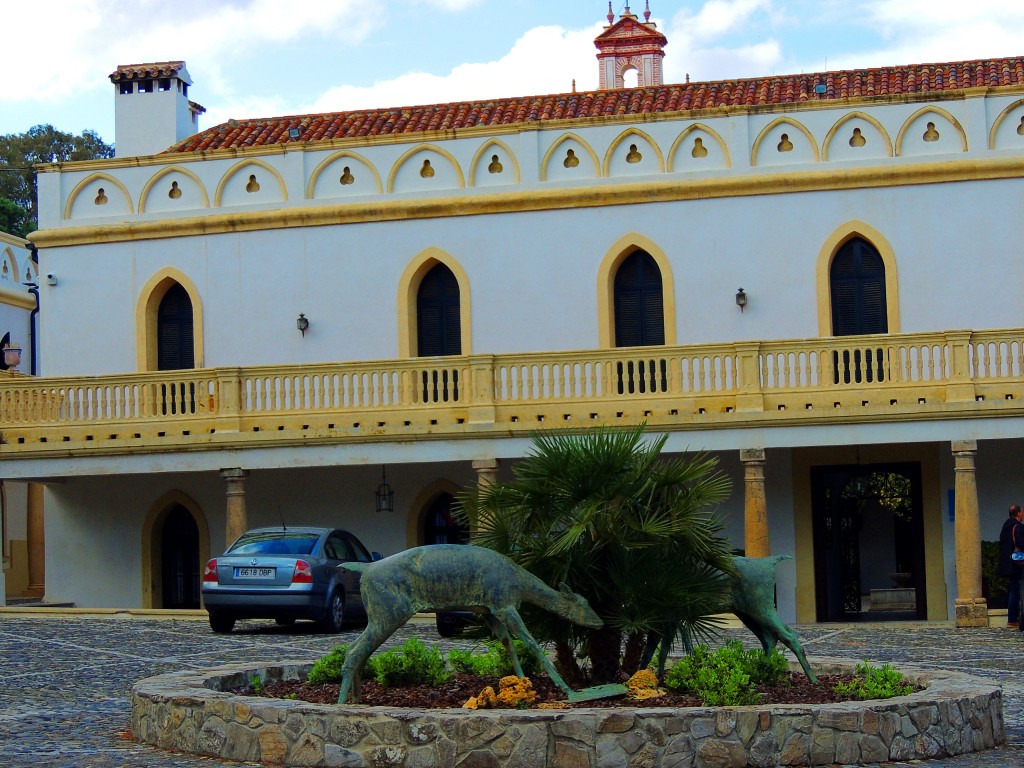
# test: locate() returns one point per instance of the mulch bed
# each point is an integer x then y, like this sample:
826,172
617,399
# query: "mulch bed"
461,687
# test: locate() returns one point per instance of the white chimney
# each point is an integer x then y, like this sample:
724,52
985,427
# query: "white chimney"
151,107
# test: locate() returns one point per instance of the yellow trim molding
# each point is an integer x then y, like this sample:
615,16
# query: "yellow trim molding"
315,176
423,148
408,287
592,196
89,180
480,153
614,256
237,169
651,143
937,111
146,309
831,246
152,577
693,129
144,197
544,163
857,116
783,121
999,121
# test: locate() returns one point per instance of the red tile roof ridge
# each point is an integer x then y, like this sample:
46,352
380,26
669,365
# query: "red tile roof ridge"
874,82
129,71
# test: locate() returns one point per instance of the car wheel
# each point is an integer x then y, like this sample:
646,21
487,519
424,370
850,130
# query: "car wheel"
222,625
285,621
335,617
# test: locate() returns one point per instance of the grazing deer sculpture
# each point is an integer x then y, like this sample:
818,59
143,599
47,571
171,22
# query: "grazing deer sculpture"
441,577
752,599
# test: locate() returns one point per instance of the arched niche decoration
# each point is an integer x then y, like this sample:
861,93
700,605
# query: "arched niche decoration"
408,287
98,194
613,258
30,272
344,174
480,172
784,131
1008,127
839,237
426,167
416,519
556,165
617,160
9,266
147,307
152,586
911,140
838,146
183,190
250,182
681,153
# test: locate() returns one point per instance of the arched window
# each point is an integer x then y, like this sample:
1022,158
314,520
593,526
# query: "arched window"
857,283
441,526
175,339
438,318
639,311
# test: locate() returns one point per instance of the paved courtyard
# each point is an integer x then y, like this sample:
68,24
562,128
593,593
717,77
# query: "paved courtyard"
65,678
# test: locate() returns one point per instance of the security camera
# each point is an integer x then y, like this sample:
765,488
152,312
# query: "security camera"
51,279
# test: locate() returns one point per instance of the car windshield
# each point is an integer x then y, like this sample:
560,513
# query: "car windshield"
275,543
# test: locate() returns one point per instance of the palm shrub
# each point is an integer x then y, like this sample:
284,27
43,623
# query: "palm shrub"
632,531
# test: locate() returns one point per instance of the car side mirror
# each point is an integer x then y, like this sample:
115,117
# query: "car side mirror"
376,556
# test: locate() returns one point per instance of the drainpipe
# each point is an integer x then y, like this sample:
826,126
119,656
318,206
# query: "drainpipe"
33,288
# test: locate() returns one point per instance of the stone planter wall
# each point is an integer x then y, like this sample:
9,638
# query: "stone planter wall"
192,712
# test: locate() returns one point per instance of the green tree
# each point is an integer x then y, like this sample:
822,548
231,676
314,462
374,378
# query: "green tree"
19,152
632,531
14,219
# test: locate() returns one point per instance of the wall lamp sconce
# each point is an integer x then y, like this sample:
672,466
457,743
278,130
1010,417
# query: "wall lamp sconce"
51,279
385,497
741,299
302,323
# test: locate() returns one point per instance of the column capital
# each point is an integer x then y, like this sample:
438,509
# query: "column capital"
234,473
482,465
748,455
964,446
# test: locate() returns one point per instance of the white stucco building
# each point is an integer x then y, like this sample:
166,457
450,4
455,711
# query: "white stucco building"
815,277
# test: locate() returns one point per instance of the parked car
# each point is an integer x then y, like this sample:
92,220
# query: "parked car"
286,574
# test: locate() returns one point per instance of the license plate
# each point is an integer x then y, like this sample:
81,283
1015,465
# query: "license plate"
255,573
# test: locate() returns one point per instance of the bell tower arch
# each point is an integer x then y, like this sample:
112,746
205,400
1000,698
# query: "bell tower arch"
630,44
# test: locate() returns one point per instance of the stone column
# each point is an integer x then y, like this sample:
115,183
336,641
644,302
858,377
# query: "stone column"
486,471
755,507
971,609
36,542
237,521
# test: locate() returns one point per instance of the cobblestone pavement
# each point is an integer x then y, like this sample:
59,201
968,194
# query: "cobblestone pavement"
65,678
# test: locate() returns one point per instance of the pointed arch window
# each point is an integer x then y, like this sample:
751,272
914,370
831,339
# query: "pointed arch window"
439,330
640,322
441,526
857,286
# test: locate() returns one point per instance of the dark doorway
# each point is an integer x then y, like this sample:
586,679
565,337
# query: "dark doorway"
441,526
179,559
868,542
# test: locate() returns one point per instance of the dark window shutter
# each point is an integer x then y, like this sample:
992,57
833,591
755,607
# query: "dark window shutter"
857,282
175,337
438,314
639,304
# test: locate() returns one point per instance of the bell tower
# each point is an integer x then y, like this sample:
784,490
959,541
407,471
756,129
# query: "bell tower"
630,44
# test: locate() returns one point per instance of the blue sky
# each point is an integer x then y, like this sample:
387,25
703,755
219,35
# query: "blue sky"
261,58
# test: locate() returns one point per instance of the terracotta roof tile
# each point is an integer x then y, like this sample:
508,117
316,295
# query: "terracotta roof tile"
765,91
146,71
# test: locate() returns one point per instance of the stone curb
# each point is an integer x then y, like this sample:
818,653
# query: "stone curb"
192,712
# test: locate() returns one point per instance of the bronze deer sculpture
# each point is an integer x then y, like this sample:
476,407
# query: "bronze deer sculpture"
440,577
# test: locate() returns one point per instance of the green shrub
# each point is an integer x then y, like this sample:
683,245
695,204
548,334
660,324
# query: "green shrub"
495,661
412,664
874,683
727,676
327,669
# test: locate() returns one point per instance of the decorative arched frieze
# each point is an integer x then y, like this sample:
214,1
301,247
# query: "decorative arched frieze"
250,182
830,248
426,167
567,158
493,164
633,153
698,148
147,307
9,266
1008,128
98,194
613,257
930,130
181,190
863,138
408,287
152,586
784,141
344,174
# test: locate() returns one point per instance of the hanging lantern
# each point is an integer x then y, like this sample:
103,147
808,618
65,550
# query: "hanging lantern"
385,496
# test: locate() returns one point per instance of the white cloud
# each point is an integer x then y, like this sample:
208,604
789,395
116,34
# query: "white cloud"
449,5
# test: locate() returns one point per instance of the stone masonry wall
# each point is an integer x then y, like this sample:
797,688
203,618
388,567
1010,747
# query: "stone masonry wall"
193,712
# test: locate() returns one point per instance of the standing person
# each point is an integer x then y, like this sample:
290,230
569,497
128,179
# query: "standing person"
1011,539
